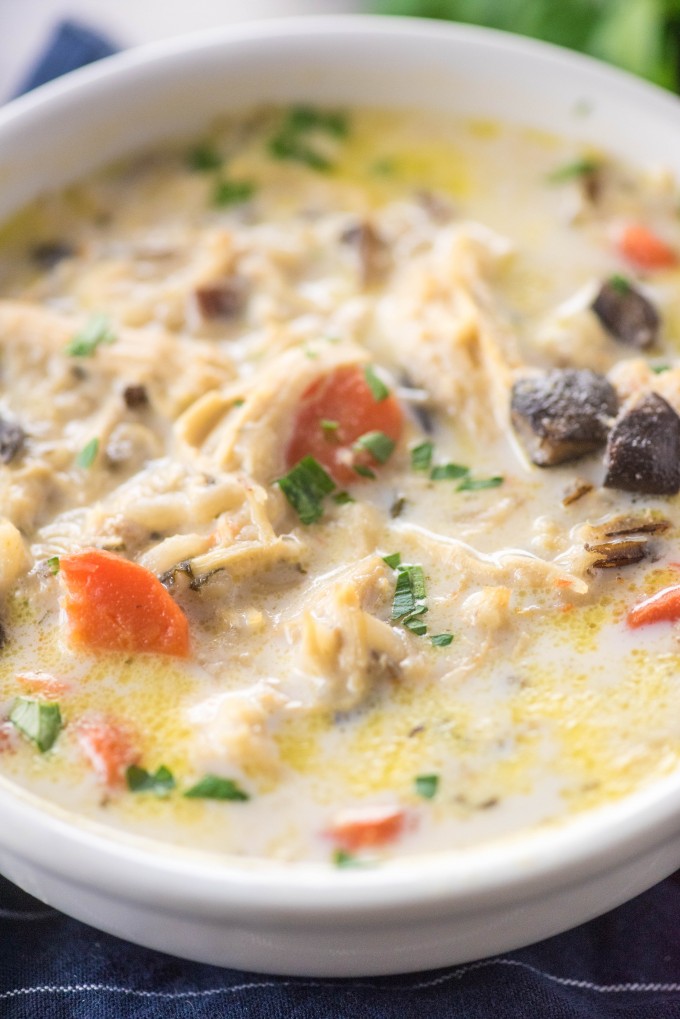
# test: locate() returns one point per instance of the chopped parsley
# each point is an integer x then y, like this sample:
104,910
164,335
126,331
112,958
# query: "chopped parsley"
441,639
375,384
329,428
214,787
379,445
448,472
659,369
95,332
343,859
415,624
39,721
232,192
88,454
305,486
294,140
570,171
476,484
620,284
363,472
204,158
427,786
393,560
409,590
53,564
161,781
421,456
342,498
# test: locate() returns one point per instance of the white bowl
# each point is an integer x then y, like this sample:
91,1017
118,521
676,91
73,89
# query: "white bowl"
308,919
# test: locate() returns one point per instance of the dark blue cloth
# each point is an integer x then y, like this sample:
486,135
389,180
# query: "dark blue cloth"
625,965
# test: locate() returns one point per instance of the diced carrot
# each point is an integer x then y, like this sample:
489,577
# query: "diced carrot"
42,683
113,604
644,250
108,747
367,829
336,410
662,607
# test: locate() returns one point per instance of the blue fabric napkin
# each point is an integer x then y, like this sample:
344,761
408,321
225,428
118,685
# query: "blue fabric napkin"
625,965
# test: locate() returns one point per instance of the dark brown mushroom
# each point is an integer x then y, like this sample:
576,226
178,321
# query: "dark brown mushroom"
223,299
618,552
371,251
643,451
626,314
135,397
562,414
12,438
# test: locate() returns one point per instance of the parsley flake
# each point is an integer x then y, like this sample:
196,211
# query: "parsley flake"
363,472
570,171
329,428
375,384
421,456
95,332
659,369
88,454
379,445
393,560
39,721
448,472
161,782
232,192
441,639
214,787
204,158
427,786
342,498
477,484
53,564
620,284
305,486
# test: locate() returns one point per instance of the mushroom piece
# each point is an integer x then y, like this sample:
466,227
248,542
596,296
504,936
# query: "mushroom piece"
12,437
643,451
371,251
626,314
562,414
222,299
626,539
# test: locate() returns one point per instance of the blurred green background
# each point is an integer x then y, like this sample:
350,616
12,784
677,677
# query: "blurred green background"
642,36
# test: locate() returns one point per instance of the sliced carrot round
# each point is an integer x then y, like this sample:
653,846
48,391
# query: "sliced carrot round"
335,411
113,604
367,828
644,249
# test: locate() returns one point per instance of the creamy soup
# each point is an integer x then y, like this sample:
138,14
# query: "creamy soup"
339,461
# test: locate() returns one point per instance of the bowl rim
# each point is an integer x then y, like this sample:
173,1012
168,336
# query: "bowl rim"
522,866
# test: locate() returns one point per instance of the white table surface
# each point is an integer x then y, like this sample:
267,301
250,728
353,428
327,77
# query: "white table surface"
25,25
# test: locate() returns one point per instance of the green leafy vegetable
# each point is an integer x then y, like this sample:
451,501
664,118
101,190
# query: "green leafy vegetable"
421,456
95,332
393,560
441,639
204,158
343,859
53,564
233,192
375,384
415,625
363,472
427,786
379,445
569,171
329,428
342,498
659,369
476,484
447,472
214,787
161,781
620,283
297,137
39,721
639,35
305,486
88,454
409,589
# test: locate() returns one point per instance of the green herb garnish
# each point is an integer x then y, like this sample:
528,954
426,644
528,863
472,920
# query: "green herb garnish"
301,119
329,428
343,859
447,472
342,498
393,560
214,787
305,486
161,781
477,484
363,472
204,158
659,369
427,786
415,624
620,284
39,721
570,171
88,454
95,332
379,445
293,142
375,384
410,588
441,639
232,192
421,456
53,564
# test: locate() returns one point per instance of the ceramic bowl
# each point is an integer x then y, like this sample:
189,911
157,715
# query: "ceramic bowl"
310,919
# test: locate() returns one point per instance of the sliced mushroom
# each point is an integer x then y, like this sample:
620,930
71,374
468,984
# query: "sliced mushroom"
626,314
624,540
223,299
371,251
643,451
645,523
562,414
618,552
575,491
12,437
